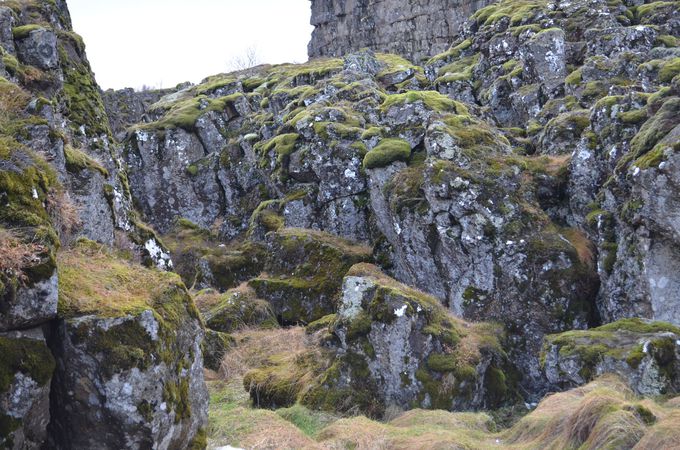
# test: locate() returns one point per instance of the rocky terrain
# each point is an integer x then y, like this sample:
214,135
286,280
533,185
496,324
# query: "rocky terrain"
355,252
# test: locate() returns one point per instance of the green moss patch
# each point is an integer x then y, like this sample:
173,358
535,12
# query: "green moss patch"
433,100
77,160
27,356
387,152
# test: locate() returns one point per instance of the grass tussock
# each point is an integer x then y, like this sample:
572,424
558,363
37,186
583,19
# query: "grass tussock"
16,255
254,348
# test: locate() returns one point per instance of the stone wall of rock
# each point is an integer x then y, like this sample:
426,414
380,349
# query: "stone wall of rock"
62,182
411,28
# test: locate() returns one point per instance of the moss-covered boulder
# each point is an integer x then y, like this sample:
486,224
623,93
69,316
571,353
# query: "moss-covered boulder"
26,369
645,354
203,260
215,346
128,351
236,309
304,271
390,345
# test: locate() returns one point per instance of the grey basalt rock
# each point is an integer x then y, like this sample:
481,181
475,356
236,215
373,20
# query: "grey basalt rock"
396,346
30,305
645,354
25,399
7,22
411,28
158,401
39,48
457,243
544,57
161,168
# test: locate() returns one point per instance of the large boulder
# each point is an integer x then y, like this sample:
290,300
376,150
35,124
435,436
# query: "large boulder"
396,346
645,354
128,352
389,346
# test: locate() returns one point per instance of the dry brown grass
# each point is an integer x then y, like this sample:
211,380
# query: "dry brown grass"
279,435
602,414
555,164
13,100
584,246
254,348
16,255
65,214
665,435
93,279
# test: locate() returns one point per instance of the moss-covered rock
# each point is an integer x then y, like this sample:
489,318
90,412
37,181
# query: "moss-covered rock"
128,347
644,353
387,152
215,345
236,309
203,260
26,371
303,273
396,346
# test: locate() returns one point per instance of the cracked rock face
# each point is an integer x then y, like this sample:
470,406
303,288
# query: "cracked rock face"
39,48
25,393
413,29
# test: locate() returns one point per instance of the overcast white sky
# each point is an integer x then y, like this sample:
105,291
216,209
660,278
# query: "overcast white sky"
160,43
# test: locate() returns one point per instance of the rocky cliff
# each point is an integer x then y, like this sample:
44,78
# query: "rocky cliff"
465,234
91,338
414,29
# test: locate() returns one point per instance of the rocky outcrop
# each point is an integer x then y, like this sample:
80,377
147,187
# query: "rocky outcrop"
61,179
304,272
129,361
127,107
390,345
409,28
644,354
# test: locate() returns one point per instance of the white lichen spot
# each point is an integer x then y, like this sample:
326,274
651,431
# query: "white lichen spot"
35,193
148,321
349,173
156,253
636,171
399,312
